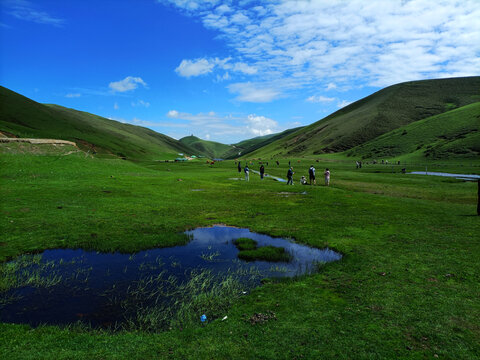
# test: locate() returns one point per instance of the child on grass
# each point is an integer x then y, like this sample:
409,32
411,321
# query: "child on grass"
327,177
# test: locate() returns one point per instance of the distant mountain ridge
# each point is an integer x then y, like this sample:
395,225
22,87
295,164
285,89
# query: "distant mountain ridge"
375,115
430,118
24,117
218,150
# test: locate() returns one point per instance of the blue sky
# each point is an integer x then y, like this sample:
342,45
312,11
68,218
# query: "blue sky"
229,70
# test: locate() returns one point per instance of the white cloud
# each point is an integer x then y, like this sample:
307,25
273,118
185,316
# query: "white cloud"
188,68
127,84
96,92
197,119
319,98
146,123
257,93
344,103
73,95
261,125
331,86
222,9
223,77
115,106
244,68
192,5
203,66
330,43
211,125
140,103
27,11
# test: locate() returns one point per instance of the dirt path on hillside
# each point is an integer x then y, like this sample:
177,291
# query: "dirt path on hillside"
38,141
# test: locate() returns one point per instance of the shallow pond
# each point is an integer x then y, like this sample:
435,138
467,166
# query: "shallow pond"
276,178
457,176
107,289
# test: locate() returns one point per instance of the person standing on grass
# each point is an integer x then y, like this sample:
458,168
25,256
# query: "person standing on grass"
262,171
311,173
239,167
247,173
290,176
327,177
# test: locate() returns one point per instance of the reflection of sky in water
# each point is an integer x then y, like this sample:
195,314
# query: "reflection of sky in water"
94,286
457,176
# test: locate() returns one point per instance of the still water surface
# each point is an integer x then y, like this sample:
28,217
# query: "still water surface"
64,286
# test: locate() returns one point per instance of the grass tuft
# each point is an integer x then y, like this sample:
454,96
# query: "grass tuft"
245,244
266,253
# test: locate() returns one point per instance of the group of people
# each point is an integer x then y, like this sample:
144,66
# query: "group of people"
290,172
311,176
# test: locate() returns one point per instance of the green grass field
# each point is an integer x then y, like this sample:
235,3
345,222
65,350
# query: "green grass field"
406,287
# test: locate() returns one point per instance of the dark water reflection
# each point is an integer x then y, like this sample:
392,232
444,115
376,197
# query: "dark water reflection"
64,286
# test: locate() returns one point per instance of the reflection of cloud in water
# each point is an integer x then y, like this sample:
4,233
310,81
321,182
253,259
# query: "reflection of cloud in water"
96,284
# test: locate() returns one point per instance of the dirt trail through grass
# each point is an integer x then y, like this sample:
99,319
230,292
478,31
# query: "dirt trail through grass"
38,141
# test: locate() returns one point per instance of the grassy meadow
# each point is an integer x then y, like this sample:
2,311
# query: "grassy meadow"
407,286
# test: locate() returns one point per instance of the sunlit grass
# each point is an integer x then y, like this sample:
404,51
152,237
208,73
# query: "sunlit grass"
400,237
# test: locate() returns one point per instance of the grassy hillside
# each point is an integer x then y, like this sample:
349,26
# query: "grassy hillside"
217,150
247,146
454,134
377,114
22,117
207,148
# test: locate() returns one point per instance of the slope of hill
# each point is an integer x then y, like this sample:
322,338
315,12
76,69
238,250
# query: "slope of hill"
22,117
214,149
247,146
206,148
377,114
454,134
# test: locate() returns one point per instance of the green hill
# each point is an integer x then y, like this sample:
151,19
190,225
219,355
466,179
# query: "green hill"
454,134
22,117
210,149
214,149
377,114
247,146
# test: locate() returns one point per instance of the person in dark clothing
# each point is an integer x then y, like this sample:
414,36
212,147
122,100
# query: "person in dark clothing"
262,171
290,176
239,167
311,174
